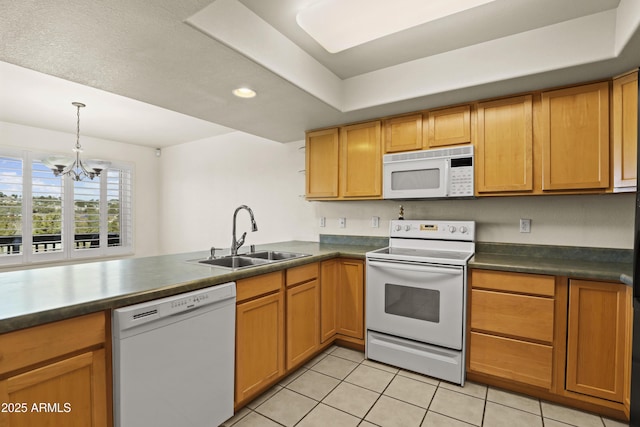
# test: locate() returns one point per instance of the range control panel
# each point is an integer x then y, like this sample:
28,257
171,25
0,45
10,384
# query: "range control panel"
434,229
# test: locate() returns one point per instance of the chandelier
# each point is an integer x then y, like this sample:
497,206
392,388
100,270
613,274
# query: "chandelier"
75,167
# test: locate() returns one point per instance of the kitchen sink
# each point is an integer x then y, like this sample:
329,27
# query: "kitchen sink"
274,255
252,259
234,262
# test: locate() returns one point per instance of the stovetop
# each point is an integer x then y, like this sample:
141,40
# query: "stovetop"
441,242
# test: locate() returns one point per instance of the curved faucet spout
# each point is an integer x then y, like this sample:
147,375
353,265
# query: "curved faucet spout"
236,243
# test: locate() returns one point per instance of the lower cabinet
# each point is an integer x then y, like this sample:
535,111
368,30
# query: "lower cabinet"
505,340
259,334
560,339
303,314
329,280
56,374
597,332
350,299
342,296
285,318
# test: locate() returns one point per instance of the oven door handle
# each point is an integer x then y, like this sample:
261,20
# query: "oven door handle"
409,266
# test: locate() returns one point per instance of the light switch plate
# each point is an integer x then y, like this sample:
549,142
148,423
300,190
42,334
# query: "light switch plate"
525,225
375,221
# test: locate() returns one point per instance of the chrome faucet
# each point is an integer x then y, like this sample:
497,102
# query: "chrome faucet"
235,244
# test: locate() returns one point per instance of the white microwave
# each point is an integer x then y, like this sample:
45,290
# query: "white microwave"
427,174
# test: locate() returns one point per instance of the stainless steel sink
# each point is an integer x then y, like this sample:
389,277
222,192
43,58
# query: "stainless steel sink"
252,259
234,262
274,255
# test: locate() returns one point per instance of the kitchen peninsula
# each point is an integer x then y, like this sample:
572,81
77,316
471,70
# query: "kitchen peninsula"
54,299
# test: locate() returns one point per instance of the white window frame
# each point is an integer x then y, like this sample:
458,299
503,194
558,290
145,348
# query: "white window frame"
68,252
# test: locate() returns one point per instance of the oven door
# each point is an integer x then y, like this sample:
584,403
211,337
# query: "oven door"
415,179
422,302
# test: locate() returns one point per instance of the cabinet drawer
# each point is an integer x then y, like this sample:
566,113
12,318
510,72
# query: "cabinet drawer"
510,314
30,346
258,285
304,273
511,359
534,284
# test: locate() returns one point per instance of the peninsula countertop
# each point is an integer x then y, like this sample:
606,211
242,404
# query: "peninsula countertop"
40,295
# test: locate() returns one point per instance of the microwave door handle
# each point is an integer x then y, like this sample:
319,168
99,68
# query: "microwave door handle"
447,171
423,268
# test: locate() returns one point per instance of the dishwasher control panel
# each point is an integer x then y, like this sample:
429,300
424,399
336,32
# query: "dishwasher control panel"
132,316
189,302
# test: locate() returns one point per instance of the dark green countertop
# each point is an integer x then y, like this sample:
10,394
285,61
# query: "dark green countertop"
41,295
36,296
582,263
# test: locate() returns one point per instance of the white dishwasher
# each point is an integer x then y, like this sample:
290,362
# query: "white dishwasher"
174,360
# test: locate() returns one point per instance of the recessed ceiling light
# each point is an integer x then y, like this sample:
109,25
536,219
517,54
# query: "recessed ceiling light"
355,22
244,92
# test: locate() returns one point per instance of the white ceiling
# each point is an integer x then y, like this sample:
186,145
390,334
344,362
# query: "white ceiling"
160,72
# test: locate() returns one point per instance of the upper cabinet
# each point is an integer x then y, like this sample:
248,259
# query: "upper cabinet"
322,152
625,131
575,138
345,163
449,126
403,133
504,154
361,161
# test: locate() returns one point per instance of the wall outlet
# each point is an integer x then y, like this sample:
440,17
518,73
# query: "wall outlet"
323,222
342,222
525,225
375,221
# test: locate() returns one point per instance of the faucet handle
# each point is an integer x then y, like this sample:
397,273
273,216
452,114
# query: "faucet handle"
213,252
253,248
240,241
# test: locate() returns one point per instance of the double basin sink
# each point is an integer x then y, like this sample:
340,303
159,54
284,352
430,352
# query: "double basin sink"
251,259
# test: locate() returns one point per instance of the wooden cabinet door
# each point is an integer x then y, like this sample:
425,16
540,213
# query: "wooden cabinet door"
329,282
596,339
303,322
625,131
351,299
403,133
361,161
259,344
72,390
449,126
575,138
504,157
322,151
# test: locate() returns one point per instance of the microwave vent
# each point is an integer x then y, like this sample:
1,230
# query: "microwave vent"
430,154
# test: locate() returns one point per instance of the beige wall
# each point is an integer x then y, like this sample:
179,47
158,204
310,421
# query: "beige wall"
146,184
584,220
204,181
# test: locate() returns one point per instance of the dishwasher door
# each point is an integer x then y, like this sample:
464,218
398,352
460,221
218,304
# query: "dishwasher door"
174,360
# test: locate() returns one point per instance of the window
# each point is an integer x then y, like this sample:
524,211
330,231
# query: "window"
49,218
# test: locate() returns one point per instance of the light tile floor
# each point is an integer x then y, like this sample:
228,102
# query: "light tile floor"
340,388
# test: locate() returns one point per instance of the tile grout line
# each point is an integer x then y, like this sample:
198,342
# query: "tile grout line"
397,373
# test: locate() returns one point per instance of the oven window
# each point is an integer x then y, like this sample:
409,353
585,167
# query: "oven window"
420,179
415,303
